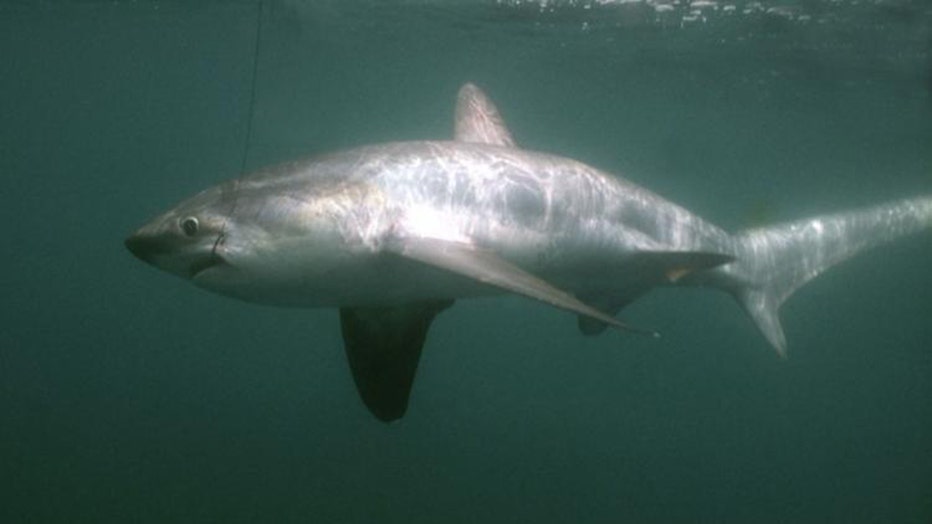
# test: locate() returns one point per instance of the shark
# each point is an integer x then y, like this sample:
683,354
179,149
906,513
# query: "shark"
393,234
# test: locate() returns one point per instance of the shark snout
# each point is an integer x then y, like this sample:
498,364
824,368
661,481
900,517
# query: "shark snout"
169,253
144,247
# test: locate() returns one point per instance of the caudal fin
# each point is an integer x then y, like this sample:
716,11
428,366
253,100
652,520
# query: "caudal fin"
775,261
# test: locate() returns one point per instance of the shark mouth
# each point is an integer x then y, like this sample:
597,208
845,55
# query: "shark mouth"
204,263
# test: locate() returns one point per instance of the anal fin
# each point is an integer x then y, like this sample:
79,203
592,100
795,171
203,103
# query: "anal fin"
383,347
670,267
654,268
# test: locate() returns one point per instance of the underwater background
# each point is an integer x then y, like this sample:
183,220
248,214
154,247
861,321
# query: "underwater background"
127,395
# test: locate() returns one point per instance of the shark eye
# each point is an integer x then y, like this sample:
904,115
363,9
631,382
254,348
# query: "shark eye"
189,226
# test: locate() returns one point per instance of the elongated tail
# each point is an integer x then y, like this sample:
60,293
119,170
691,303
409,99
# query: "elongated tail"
773,262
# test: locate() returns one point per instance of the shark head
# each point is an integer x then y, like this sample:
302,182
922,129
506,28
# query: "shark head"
260,241
187,240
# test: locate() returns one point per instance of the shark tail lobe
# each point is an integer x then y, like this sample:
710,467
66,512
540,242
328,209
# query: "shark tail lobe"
775,261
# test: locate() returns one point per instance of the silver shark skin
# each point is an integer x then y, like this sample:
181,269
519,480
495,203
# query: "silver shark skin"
392,234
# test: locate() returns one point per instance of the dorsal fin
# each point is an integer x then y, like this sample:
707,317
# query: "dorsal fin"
478,120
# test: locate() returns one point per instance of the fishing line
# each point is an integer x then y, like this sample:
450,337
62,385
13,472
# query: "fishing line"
252,90
260,8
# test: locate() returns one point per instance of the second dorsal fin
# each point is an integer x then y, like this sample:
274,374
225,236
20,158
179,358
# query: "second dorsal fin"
478,120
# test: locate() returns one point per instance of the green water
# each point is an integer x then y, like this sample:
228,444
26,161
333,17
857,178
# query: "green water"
127,395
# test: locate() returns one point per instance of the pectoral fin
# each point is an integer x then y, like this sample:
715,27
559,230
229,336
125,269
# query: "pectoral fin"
383,346
488,268
589,326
